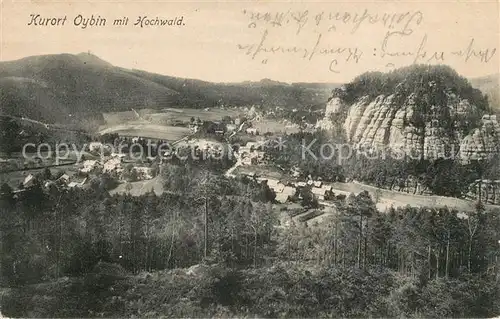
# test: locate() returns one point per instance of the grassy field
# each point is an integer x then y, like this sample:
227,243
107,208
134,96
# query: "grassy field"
115,118
159,124
184,115
140,188
168,114
170,133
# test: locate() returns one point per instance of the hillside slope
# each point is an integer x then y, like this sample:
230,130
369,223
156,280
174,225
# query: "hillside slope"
267,93
50,88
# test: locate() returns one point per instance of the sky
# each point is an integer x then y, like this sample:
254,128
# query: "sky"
307,41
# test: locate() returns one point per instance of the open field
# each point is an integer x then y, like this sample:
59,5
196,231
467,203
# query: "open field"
168,114
140,187
158,124
114,118
185,115
170,133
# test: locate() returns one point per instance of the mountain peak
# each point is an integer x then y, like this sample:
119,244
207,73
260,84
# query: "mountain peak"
267,81
90,58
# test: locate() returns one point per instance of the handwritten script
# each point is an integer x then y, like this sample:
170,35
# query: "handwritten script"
344,38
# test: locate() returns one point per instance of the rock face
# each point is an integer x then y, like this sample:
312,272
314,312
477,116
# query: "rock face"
333,107
483,141
443,132
488,191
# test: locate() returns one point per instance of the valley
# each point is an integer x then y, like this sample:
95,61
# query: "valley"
185,198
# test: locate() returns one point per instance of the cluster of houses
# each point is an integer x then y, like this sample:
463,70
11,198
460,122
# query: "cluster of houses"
64,181
227,125
115,165
252,154
286,190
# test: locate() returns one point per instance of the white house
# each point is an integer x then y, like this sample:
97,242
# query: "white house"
89,166
285,194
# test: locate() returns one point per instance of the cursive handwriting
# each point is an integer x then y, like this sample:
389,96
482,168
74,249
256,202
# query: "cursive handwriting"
483,55
263,48
404,22
398,39
419,53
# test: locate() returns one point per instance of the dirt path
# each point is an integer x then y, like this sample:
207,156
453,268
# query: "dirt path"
398,199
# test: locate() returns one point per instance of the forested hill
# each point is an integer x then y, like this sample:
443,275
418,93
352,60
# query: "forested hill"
432,84
51,87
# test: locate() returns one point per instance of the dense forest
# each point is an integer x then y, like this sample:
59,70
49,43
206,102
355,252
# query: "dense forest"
418,79
85,253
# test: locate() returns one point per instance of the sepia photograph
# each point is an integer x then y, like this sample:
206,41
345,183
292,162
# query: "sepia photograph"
253,159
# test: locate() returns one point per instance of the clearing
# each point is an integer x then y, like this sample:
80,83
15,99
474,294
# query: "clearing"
140,187
148,130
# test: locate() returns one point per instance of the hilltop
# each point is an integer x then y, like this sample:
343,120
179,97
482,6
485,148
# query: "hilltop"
427,110
53,87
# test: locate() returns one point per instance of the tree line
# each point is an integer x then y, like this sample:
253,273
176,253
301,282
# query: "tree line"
358,262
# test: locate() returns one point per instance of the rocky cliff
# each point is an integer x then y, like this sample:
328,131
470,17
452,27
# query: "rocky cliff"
431,120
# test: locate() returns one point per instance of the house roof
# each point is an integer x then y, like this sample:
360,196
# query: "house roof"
64,177
278,188
282,197
288,190
73,184
29,179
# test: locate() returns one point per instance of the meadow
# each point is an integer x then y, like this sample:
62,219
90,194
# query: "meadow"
185,115
169,124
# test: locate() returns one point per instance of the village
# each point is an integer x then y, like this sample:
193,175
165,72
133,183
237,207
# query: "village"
119,162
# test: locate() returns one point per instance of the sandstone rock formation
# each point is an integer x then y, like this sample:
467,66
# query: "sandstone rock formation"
383,122
483,141
486,190
333,107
